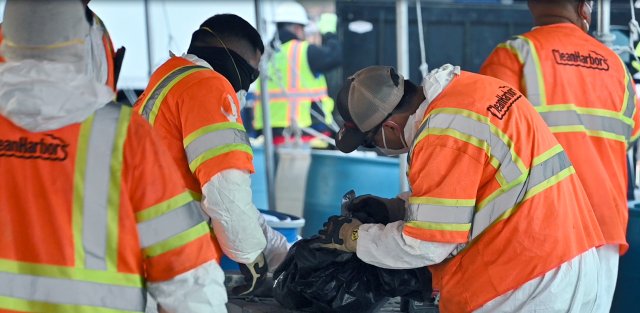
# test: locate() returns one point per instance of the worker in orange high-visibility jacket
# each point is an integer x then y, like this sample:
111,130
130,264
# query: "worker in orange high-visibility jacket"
495,210
93,209
191,101
102,59
585,94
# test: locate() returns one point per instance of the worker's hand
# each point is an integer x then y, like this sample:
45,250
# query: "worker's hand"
254,273
381,210
328,23
340,233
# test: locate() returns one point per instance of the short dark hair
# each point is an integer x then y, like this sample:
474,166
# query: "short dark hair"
229,28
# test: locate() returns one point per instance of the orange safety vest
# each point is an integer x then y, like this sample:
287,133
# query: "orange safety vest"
90,212
108,49
586,96
196,112
486,173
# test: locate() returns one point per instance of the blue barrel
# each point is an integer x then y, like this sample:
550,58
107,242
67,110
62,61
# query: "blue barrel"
259,180
626,299
333,173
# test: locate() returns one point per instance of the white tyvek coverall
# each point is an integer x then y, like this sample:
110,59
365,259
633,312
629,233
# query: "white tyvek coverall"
45,89
572,285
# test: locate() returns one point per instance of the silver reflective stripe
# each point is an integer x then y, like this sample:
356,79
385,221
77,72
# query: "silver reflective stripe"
71,292
590,122
511,198
499,149
293,69
631,96
97,178
151,100
440,214
170,224
530,69
214,140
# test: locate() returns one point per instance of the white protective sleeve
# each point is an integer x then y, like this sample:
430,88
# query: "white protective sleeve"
277,245
200,290
239,227
387,247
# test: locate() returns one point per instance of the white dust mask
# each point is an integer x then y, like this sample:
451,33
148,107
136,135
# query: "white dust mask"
390,152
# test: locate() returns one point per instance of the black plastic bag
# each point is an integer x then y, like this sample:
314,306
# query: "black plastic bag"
334,281
328,280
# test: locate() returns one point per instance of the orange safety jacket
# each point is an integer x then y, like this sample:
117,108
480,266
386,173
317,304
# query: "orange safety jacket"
586,96
90,212
108,49
486,173
196,112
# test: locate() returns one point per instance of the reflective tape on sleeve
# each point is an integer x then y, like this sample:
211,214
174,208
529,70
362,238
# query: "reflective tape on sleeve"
215,140
440,213
170,224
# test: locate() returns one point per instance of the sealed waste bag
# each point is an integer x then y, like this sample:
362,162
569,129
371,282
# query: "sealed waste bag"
327,280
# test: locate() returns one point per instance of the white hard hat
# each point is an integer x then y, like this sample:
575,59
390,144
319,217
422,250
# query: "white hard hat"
49,30
291,12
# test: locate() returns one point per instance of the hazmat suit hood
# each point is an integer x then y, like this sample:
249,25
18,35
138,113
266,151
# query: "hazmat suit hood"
47,82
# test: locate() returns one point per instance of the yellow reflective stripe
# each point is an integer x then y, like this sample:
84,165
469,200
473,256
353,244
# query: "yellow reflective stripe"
177,241
547,155
499,177
165,91
196,195
164,207
209,129
513,50
538,189
64,272
114,188
20,305
78,190
439,226
581,128
495,130
212,153
590,111
442,201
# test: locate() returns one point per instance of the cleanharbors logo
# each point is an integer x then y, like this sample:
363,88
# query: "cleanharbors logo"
591,60
48,147
505,98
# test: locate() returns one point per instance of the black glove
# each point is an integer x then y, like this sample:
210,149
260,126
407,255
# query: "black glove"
373,209
255,274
